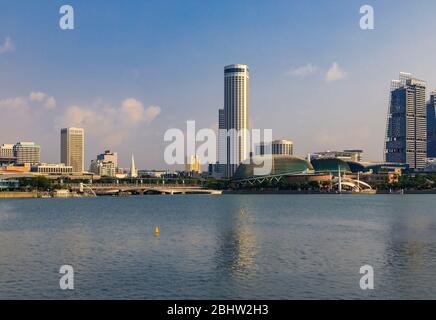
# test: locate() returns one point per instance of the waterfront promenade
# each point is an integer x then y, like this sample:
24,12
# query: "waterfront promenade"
140,189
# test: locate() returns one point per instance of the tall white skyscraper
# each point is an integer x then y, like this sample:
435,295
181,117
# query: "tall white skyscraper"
73,148
236,108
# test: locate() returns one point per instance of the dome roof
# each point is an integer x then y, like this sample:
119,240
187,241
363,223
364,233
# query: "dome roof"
281,165
330,165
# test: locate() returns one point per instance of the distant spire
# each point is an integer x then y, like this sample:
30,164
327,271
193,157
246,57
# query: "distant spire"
133,170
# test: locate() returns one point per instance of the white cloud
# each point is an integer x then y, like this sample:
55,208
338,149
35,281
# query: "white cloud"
109,125
7,46
335,73
37,96
304,71
33,101
50,103
26,118
46,100
32,117
133,112
13,103
151,113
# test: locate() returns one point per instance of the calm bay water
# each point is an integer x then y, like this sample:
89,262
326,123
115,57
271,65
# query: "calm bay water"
283,247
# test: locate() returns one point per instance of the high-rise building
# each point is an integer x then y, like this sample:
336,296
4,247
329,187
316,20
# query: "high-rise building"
236,108
73,148
431,126
106,164
103,168
222,136
277,147
218,169
193,164
133,170
27,153
406,133
109,156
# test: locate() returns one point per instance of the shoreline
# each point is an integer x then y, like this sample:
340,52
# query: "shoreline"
45,195
36,195
308,192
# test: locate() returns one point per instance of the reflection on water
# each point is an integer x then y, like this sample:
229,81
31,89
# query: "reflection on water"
237,249
281,247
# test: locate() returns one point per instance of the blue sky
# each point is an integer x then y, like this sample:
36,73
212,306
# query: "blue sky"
163,61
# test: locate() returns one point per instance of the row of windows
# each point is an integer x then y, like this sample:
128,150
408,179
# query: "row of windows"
232,70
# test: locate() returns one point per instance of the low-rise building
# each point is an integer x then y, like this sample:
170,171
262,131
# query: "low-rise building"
15,168
390,177
52,169
7,154
151,173
61,193
346,155
217,170
9,184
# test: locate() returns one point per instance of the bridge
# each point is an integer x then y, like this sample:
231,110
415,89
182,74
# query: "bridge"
101,189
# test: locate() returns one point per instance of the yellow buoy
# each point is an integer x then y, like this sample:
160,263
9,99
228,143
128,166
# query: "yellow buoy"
157,231
242,212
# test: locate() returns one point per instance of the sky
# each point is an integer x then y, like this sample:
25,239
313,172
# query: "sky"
130,70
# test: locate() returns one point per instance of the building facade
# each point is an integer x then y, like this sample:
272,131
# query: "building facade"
52,169
431,126
7,154
103,168
354,155
7,150
236,108
109,156
218,169
277,147
9,184
73,148
222,138
106,164
27,153
193,164
406,133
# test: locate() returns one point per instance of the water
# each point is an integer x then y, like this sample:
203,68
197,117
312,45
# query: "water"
283,247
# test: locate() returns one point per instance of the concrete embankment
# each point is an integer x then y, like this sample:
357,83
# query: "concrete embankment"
332,193
12,195
35,194
274,192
